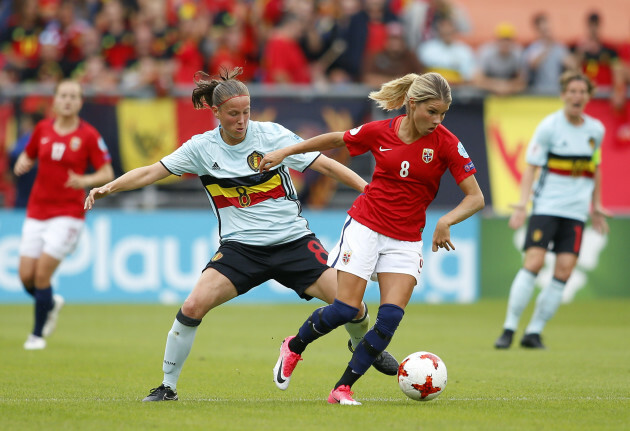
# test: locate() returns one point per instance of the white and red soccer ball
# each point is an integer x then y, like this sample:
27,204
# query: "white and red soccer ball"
422,376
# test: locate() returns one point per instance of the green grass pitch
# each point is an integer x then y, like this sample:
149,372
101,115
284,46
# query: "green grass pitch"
103,359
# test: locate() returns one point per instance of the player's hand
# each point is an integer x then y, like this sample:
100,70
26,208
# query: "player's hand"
75,181
95,193
442,237
23,164
271,160
598,219
518,217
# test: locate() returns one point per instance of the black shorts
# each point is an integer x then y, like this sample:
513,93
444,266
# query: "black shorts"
296,264
558,234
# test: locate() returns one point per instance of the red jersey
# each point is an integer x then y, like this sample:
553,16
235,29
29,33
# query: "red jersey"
56,155
406,177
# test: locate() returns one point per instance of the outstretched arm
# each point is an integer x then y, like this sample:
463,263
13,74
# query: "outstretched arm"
333,169
134,179
323,142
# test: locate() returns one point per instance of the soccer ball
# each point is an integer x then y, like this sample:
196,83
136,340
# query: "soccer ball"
422,376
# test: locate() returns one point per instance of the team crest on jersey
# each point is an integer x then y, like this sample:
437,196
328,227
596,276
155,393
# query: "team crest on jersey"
216,257
346,257
253,160
427,155
537,235
75,143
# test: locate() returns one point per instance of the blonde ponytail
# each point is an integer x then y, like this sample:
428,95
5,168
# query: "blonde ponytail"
392,94
395,94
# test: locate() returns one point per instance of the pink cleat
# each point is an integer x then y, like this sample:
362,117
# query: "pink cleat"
285,365
342,395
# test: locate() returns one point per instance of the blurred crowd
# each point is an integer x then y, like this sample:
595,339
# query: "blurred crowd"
159,44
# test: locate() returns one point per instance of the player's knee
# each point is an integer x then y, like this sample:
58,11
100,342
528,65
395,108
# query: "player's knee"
41,281
28,281
387,321
186,319
325,319
340,313
27,277
534,266
193,308
388,318
562,272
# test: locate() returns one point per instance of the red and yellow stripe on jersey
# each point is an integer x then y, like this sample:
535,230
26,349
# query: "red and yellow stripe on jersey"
573,166
243,192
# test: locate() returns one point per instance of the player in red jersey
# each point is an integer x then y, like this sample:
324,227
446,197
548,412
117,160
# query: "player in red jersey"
382,236
63,147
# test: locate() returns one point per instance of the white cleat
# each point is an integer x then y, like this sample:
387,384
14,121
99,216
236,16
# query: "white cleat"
33,342
53,315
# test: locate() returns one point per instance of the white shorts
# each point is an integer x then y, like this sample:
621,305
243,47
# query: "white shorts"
365,253
57,236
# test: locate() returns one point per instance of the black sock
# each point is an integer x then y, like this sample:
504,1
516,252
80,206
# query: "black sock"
30,290
296,345
43,304
349,378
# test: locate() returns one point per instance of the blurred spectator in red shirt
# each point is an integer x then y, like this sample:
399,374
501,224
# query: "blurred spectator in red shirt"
20,41
117,39
624,55
283,61
146,70
66,31
188,55
153,14
379,16
229,52
394,60
600,61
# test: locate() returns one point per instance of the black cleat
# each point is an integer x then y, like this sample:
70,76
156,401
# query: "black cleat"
384,363
532,341
505,340
161,393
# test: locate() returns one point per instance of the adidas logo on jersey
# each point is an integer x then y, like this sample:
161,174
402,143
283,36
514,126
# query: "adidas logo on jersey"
215,167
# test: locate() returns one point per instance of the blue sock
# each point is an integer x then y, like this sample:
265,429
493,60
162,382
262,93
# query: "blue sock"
321,322
377,339
43,304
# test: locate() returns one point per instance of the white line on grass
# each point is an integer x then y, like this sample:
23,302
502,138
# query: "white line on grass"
300,400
